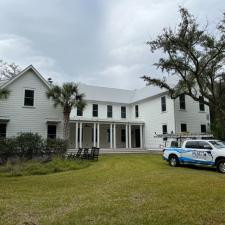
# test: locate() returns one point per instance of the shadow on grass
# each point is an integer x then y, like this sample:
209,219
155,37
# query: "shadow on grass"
199,167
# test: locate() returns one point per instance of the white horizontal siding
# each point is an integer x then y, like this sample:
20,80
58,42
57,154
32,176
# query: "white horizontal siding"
33,119
154,119
24,119
102,112
191,116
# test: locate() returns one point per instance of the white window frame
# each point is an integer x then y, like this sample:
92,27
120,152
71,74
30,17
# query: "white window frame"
31,89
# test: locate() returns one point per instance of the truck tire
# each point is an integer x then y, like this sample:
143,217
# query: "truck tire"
221,166
174,161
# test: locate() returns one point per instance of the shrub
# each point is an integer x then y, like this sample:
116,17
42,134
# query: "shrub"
4,153
57,147
29,144
7,149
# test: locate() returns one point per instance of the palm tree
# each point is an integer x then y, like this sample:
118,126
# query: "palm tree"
4,93
67,96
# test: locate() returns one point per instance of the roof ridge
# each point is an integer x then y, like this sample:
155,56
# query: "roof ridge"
122,89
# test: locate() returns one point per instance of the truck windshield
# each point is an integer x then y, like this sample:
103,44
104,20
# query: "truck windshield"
218,144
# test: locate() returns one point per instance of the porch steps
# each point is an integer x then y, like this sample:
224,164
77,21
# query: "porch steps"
123,151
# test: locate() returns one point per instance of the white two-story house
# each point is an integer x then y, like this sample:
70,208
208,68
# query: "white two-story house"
112,119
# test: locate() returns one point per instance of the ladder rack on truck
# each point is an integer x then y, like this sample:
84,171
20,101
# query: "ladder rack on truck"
178,138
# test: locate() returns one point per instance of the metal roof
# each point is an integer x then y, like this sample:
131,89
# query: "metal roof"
104,94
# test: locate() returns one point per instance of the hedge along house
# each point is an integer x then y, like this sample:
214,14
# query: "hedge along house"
113,118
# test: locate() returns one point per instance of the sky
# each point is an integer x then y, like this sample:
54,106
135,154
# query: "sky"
97,42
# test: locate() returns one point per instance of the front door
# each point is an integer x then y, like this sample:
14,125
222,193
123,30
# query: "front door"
137,138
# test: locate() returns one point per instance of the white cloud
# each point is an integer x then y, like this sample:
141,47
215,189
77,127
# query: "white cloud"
97,42
21,51
118,76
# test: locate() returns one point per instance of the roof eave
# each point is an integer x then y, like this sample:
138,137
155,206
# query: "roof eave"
30,67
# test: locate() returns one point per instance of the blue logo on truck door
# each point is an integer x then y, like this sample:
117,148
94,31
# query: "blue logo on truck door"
206,155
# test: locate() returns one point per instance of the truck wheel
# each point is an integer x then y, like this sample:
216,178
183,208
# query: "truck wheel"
174,161
221,166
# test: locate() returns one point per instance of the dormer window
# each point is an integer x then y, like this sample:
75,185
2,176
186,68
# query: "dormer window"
29,97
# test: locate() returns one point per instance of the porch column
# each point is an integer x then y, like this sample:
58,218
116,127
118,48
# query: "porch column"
81,135
76,135
126,135
111,136
98,134
141,137
94,135
130,136
114,135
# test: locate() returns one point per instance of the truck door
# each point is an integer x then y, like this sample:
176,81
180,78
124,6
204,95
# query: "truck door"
187,153
203,154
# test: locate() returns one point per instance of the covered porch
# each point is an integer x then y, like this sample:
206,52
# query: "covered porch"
106,135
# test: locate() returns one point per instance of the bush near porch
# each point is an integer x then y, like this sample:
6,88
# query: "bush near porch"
118,190
27,146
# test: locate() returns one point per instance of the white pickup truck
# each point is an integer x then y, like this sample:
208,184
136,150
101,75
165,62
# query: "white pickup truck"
198,152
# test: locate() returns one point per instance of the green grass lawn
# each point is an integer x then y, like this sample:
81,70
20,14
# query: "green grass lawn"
118,189
39,168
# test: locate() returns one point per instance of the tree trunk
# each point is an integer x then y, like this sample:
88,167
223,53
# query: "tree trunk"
218,123
66,128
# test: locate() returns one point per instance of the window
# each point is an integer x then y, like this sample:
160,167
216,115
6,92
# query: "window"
201,105
123,135
52,131
203,128
198,145
218,144
204,145
95,110
192,144
136,111
29,98
183,127
164,129
2,130
163,103
123,111
109,111
79,111
182,102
